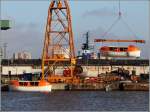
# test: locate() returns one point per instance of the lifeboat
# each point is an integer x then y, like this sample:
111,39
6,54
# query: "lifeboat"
30,86
130,51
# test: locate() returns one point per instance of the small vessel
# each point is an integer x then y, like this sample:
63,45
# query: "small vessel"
130,51
30,85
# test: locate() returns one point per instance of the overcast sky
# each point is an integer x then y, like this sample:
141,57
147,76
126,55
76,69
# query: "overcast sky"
29,20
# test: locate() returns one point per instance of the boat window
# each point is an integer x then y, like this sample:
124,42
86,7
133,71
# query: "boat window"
123,49
21,83
113,48
34,83
25,83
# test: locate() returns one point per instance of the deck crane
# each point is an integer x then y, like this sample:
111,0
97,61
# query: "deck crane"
110,51
58,50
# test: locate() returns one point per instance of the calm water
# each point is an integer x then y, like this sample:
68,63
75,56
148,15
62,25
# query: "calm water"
75,100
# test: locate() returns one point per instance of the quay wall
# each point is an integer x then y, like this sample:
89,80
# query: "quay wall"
87,70
91,67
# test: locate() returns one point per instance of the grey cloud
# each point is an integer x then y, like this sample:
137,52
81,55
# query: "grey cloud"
28,37
24,37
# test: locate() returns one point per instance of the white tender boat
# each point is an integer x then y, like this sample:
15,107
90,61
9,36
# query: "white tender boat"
30,86
130,51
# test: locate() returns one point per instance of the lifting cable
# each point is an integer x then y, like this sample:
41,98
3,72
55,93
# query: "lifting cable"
129,28
109,29
117,20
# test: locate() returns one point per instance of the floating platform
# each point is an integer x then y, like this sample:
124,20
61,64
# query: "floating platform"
102,87
136,86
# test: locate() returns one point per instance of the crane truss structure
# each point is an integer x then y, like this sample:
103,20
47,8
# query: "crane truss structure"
58,43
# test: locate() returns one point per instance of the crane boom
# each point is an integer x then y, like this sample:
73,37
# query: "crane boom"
111,40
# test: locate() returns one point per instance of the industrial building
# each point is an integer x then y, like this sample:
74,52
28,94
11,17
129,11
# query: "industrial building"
22,55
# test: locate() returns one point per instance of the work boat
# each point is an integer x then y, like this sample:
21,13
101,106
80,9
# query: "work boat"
30,85
130,51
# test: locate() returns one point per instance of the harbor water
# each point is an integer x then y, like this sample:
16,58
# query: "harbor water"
76,100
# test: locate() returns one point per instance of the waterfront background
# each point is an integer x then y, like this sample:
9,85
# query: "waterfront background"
76,100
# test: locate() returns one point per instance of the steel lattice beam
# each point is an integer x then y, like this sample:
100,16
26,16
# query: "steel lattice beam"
58,36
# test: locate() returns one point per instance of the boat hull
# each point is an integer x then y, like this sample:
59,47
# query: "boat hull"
30,86
46,88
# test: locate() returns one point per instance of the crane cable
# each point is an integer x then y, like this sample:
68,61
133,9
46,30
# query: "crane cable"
117,20
129,28
125,23
114,23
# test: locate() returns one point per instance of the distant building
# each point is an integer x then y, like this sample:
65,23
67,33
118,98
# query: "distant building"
22,55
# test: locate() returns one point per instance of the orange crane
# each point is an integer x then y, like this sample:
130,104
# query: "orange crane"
58,44
112,40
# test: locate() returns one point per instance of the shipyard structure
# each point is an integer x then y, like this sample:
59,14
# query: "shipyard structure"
91,67
60,68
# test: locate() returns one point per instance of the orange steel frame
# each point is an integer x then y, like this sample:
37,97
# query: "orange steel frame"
58,36
111,40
